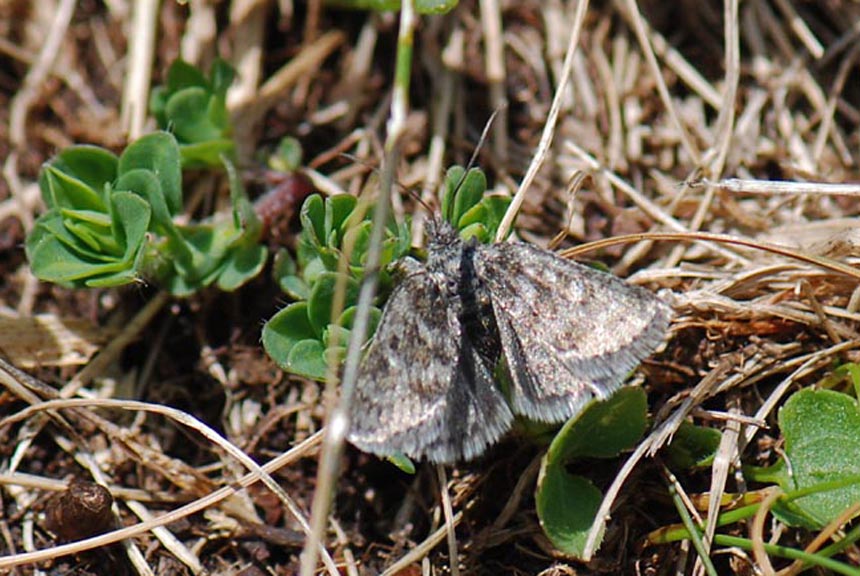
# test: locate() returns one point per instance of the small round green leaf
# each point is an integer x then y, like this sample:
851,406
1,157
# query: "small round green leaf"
131,215
181,75
308,358
477,231
603,429
693,446
567,504
92,165
375,315
337,209
321,300
312,216
335,336
203,154
284,330
221,76
244,262
62,190
471,190
566,507
821,430
403,462
288,156
284,271
188,112
159,153
145,184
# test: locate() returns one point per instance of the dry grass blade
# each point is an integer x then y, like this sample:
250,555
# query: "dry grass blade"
825,263
141,55
549,127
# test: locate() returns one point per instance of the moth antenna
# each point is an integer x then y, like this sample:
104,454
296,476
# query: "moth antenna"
482,140
471,164
356,160
474,158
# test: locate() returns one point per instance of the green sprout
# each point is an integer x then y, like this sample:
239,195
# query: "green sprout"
421,6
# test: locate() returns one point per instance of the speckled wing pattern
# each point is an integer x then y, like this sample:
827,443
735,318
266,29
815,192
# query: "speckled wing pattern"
569,332
423,389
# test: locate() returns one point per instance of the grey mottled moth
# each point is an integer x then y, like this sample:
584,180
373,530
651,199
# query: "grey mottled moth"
567,333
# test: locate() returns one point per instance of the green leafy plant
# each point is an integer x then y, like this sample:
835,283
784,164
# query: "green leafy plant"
302,337
468,207
567,504
287,157
821,430
110,221
693,446
194,108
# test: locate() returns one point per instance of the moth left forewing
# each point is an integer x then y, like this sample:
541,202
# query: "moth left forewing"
569,332
399,401
423,390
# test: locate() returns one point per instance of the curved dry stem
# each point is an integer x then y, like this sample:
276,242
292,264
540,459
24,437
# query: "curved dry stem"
757,531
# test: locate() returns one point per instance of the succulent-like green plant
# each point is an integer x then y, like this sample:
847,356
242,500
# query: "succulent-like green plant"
468,207
110,221
302,337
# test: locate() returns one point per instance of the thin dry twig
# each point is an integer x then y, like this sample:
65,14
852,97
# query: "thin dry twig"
37,74
491,20
448,511
424,548
549,127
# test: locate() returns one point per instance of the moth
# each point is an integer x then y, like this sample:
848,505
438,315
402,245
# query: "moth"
567,333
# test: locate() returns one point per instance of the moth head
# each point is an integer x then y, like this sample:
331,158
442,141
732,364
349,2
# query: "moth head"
441,233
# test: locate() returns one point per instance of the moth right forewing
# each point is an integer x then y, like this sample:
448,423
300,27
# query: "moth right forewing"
569,332
399,401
